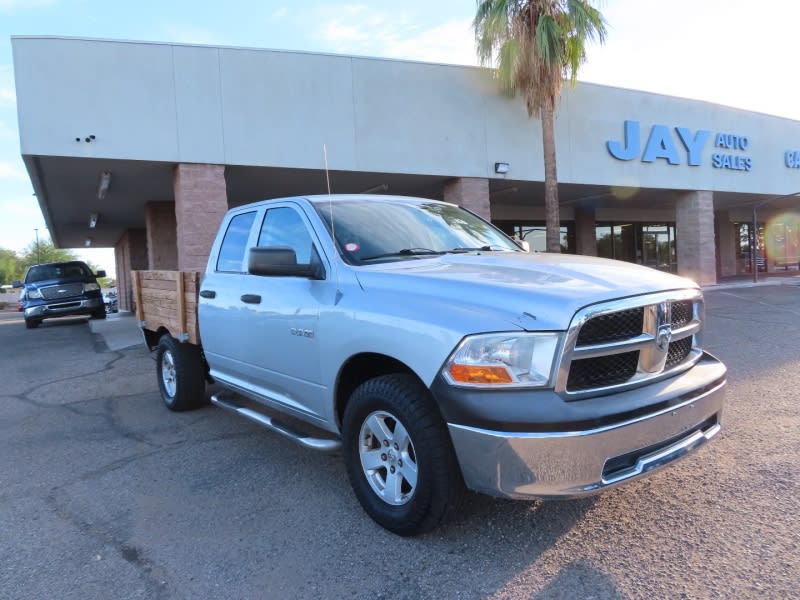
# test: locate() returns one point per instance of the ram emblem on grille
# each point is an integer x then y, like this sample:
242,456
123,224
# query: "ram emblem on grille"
664,337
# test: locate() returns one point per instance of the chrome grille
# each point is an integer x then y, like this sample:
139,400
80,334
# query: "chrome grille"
612,327
678,351
624,343
681,313
602,371
58,292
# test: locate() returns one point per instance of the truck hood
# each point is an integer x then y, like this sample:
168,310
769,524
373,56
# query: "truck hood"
43,283
532,291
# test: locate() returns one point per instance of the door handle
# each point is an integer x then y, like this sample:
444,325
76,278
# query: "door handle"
208,294
251,298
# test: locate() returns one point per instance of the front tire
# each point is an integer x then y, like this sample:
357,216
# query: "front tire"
398,454
180,373
32,323
100,313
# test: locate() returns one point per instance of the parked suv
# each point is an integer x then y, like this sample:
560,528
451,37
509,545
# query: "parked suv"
60,289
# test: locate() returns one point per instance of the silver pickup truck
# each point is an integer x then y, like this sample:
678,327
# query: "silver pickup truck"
437,354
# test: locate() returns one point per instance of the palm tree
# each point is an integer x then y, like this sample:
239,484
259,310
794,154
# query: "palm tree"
534,45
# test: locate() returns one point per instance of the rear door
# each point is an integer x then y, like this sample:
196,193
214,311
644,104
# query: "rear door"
222,320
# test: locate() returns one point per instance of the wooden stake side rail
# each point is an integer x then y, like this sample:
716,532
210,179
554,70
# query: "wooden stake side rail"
167,299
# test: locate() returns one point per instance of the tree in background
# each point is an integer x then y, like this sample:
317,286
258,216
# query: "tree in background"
10,268
534,45
44,252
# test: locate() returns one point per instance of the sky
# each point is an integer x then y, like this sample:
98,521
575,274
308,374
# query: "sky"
732,52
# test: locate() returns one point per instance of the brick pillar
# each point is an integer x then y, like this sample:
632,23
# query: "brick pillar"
162,240
131,255
726,238
585,234
694,223
201,200
471,193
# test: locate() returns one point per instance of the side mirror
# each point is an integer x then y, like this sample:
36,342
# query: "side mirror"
16,284
100,273
525,245
280,261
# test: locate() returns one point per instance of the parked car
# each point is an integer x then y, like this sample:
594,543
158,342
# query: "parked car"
58,290
111,301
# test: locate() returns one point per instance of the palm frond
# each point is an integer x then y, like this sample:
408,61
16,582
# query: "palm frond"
533,45
549,41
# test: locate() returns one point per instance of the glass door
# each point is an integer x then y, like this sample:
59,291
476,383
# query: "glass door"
658,247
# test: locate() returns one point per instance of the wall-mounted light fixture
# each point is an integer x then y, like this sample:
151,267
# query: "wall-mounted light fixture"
87,242
93,220
501,168
102,187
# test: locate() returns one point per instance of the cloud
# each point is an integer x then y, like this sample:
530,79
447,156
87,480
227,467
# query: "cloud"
12,5
7,131
191,34
451,42
11,171
21,216
358,29
26,208
8,96
279,13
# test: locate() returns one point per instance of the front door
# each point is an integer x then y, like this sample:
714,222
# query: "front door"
656,248
282,346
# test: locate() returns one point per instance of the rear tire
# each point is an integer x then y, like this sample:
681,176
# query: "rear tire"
399,456
181,374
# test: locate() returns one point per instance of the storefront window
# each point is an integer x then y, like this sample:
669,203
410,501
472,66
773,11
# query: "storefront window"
652,245
605,241
777,247
781,242
535,234
743,238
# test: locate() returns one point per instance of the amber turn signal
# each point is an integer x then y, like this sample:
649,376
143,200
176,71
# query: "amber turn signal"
479,374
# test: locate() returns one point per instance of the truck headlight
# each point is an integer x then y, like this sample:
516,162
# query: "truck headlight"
33,294
90,287
503,359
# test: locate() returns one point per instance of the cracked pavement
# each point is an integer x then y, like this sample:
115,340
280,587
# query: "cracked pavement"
106,494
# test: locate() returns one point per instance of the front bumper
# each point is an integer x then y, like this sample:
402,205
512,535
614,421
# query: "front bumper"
578,462
85,306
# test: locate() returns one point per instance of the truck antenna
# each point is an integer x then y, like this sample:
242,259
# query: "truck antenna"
333,228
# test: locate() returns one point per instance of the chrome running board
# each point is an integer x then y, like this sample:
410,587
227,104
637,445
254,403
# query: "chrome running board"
321,444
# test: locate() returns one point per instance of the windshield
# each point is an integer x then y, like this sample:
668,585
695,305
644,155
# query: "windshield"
369,231
57,271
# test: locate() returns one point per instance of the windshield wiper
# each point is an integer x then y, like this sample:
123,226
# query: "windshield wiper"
476,249
405,252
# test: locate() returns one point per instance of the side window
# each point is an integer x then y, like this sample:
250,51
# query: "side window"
285,227
234,244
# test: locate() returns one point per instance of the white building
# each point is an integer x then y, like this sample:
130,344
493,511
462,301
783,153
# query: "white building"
143,146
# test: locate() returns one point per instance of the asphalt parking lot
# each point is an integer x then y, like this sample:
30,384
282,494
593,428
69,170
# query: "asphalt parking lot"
106,494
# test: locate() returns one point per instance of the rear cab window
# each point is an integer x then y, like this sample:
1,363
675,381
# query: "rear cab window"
234,244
